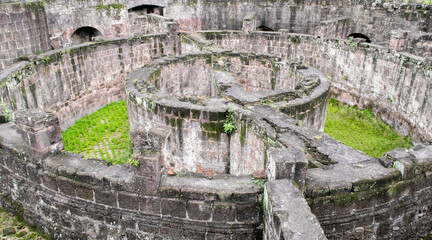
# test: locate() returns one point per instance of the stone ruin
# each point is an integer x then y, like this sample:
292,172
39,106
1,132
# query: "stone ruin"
183,67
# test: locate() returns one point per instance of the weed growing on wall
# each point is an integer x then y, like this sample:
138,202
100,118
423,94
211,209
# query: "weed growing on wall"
103,134
360,129
229,126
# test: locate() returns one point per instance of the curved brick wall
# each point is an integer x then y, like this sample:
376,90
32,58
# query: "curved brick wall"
77,81
69,197
170,99
329,18
396,86
316,185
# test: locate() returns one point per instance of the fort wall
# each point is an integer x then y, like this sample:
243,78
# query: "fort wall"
74,82
23,31
396,86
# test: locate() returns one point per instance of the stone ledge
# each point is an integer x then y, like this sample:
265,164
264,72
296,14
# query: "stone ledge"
345,178
224,188
288,215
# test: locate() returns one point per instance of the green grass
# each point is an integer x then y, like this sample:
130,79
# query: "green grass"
360,129
103,135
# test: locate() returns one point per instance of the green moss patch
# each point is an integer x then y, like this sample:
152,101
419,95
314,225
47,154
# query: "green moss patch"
12,228
103,135
360,129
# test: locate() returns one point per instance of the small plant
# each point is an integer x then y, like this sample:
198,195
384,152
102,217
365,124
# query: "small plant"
351,42
300,123
47,59
258,181
229,125
134,162
5,111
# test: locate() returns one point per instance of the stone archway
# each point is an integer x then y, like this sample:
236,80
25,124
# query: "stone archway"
85,34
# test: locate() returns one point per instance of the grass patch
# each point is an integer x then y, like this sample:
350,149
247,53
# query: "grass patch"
360,129
103,135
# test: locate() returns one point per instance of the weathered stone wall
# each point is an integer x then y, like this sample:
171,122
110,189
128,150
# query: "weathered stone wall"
396,86
140,24
70,197
287,215
186,97
23,30
109,17
77,81
188,78
367,17
368,200
420,44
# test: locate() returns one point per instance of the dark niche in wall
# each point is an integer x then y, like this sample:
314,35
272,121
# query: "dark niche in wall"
264,29
147,9
85,34
360,36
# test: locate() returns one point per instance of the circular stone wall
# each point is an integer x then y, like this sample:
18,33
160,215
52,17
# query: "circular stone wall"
188,97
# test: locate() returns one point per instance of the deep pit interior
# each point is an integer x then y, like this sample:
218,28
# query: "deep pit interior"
183,67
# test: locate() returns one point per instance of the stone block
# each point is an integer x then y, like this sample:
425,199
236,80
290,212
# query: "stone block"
286,204
49,181
199,210
151,205
250,212
172,227
287,164
145,185
173,207
404,162
66,186
106,197
41,133
128,201
224,212
84,192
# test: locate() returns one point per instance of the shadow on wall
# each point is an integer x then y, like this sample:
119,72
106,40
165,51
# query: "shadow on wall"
147,9
85,34
360,36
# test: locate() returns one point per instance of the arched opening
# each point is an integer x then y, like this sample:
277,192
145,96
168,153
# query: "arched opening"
147,9
361,36
264,29
85,34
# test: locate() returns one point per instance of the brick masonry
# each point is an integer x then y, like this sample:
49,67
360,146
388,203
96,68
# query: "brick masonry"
392,84
23,31
81,79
